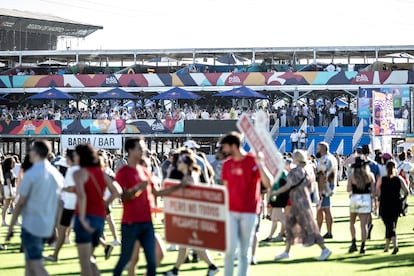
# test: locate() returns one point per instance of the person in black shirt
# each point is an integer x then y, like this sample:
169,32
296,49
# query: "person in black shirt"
388,191
9,186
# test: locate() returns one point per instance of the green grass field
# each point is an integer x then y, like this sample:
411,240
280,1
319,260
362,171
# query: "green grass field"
302,261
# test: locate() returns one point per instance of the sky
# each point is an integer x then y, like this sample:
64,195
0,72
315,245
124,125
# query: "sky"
163,24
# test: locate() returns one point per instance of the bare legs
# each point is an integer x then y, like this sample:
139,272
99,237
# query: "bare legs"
62,230
325,212
364,221
87,262
7,204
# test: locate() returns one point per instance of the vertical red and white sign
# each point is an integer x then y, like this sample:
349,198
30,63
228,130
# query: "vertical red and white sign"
260,140
196,216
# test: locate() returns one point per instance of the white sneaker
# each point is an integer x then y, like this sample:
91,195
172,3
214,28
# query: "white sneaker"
172,247
115,243
325,254
284,255
212,271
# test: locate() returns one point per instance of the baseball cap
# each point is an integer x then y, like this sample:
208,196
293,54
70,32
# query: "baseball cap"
191,144
359,149
386,156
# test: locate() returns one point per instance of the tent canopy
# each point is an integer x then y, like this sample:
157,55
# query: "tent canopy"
115,94
52,94
241,92
176,93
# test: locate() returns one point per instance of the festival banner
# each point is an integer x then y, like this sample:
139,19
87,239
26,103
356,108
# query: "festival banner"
384,121
208,79
365,105
400,100
27,127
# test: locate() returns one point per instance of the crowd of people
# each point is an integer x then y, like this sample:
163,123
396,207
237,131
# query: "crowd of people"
288,115
54,194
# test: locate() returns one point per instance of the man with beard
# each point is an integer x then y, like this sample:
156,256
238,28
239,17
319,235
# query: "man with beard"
327,170
138,194
242,174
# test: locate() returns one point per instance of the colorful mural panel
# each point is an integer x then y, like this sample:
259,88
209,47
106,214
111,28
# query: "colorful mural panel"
43,127
209,79
93,126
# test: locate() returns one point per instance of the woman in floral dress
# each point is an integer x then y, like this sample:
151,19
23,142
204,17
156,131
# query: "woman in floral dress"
301,226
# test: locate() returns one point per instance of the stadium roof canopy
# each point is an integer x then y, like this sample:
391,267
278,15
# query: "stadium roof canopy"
187,54
43,23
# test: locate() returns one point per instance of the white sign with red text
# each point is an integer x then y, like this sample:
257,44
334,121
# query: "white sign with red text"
260,140
196,216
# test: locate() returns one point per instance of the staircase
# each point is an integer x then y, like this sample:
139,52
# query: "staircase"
341,133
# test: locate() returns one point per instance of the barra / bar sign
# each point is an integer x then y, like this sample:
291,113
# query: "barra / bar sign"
97,141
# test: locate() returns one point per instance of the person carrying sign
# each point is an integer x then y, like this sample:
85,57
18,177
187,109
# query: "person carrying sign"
241,174
190,173
138,194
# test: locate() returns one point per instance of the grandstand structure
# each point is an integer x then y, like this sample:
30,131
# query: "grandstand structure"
25,30
376,67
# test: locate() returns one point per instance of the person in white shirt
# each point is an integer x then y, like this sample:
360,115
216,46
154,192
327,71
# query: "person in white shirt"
405,168
332,112
283,116
125,115
405,113
305,111
69,203
205,115
190,115
294,138
302,139
226,115
180,115
330,68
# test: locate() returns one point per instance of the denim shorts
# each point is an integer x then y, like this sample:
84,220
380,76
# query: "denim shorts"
32,246
326,200
82,236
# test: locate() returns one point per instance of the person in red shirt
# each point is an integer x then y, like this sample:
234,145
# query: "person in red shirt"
90,212
242,174
138,194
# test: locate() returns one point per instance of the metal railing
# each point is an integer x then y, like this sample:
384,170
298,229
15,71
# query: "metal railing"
304,126
330,133
274,132
358,134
